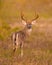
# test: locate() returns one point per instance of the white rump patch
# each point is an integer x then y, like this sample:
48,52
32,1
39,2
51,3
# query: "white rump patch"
17,41
13,37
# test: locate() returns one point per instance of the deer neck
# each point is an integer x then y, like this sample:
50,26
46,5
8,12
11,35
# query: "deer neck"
27,31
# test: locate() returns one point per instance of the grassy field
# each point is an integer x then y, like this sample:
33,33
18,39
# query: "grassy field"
38,47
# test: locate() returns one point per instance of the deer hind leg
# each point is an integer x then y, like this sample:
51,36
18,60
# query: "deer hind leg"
21,48
15,42
14,46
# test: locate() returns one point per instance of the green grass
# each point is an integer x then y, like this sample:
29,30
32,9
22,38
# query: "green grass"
1,3
47,14
1,37
38,50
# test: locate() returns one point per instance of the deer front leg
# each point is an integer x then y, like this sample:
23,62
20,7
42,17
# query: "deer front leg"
21,48
15,46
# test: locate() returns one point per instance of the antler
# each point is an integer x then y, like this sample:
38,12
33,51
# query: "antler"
37,16
22,16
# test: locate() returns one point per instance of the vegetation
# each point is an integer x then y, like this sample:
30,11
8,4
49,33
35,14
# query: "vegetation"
38,47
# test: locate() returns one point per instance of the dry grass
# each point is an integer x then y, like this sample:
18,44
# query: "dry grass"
38,47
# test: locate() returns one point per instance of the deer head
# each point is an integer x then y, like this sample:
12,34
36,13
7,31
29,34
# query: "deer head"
28,25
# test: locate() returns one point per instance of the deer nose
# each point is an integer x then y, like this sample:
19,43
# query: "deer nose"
29,26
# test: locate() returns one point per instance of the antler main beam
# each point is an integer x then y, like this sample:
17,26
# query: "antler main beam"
22,16
37,16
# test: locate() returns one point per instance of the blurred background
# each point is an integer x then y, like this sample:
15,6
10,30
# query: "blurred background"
10,11
39,44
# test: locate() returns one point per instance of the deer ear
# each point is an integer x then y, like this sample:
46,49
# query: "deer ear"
23,22
34,21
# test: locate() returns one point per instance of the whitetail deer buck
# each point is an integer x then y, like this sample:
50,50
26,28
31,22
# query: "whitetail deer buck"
20,36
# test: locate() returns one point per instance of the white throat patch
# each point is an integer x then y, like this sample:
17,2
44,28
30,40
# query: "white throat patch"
29,31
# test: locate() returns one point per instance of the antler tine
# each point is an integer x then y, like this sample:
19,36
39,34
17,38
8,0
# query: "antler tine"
22,16
37,16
